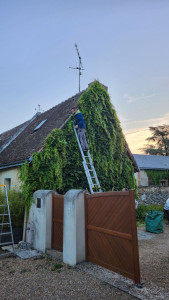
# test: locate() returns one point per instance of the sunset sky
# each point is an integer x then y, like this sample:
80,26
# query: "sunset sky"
123,43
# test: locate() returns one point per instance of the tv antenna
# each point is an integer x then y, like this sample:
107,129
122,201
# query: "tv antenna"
80,67
39,109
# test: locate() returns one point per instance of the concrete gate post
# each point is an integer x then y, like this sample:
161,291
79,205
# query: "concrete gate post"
40,220
74,228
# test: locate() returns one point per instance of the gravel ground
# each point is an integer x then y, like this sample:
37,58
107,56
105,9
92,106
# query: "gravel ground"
154,259
34,279
44,278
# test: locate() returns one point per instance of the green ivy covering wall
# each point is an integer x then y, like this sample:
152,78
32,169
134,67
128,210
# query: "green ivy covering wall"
157,175
59,165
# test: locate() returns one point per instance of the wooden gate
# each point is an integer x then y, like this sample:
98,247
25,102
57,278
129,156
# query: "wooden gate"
111,232
57,222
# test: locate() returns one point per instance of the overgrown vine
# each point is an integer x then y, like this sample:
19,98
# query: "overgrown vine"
45,171
157,175
59,166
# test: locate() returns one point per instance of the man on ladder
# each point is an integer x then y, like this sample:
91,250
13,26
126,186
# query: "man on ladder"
81,128
88,166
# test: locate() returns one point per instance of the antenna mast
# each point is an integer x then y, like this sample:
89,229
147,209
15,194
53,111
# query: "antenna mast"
39,110
80,67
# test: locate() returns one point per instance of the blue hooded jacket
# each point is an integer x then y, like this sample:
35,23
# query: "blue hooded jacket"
79,120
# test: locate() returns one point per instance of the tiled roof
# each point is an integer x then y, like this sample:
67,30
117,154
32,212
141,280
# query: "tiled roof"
5,136
152,162
29,141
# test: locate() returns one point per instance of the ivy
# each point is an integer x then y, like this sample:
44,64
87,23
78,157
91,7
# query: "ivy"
45,171
157,175
59,166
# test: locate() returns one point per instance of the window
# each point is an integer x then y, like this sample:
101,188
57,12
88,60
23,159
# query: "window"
164,182
7,182
40,124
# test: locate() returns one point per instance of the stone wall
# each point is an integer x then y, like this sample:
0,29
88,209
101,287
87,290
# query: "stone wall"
153,195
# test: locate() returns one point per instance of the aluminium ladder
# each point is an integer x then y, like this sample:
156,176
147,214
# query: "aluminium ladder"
5,220
89,168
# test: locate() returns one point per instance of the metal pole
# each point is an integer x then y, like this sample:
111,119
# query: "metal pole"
80,65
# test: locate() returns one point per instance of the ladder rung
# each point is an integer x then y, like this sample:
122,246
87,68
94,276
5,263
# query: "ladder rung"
7,243
3,205
3,215
3,233
4,223
87,163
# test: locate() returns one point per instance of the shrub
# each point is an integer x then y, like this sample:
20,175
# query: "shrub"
17,206
142,210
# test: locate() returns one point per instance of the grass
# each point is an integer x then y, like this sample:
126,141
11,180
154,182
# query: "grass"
57,267
141,223
12,271
49,258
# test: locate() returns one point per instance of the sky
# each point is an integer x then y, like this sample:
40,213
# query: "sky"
123,43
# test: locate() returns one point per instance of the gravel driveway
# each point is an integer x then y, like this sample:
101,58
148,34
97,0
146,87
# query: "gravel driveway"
34,279
45,278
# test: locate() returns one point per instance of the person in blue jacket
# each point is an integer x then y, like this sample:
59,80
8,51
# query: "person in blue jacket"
81,128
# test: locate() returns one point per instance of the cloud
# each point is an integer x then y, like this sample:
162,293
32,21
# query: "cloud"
131,99
131,126
136,138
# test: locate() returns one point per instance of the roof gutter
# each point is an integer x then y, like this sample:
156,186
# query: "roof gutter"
15,164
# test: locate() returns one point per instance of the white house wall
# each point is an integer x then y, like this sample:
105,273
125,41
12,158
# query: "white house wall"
12,174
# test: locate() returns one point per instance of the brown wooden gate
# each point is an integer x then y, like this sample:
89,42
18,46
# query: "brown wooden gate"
111,232
57,221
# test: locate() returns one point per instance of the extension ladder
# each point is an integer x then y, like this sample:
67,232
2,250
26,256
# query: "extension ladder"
5,221
89,169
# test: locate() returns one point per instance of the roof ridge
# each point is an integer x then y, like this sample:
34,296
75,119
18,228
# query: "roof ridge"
76,95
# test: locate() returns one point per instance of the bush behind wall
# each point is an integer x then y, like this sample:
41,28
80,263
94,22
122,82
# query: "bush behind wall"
16,204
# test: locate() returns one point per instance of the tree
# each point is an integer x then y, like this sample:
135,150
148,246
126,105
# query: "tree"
159,141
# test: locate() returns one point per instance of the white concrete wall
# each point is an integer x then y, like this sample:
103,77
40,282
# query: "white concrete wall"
40,220
11,173
74,227
143,178
40,224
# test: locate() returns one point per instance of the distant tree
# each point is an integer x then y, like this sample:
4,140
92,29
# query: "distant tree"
159,141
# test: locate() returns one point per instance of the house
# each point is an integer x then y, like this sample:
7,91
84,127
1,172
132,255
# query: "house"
18,144
154,170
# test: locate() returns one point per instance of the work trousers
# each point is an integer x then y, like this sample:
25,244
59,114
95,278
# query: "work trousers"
82,138
166,214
